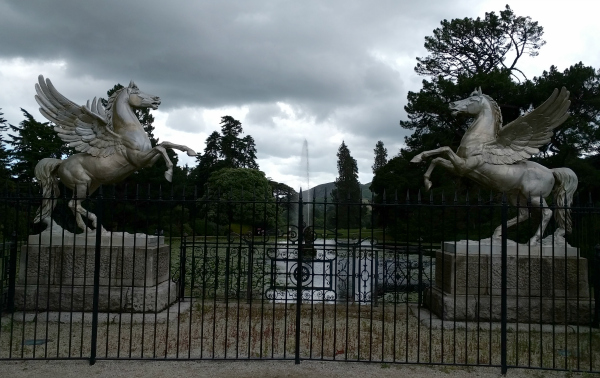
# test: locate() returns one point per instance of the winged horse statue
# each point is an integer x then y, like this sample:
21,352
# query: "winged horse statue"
112,144
496,157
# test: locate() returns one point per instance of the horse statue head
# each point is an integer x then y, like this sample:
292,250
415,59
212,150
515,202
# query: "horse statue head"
475,104
139,99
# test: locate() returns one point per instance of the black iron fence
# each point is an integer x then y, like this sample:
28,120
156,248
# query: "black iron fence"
213,277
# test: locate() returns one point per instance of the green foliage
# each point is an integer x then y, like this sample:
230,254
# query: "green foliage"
580,134
380,156
346,191
32,141
230,197
468,53
225,150
475,46
4,155
223,272
431,120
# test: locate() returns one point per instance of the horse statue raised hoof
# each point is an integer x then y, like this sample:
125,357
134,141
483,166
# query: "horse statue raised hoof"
112,145
496,157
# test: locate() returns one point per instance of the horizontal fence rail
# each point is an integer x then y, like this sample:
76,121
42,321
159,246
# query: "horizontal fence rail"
226,275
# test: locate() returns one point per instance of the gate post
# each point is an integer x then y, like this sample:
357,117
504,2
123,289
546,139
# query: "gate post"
503,299
298,277
96,278
596,322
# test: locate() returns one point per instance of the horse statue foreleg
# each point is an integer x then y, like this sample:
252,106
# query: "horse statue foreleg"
179,147
435,162
455,162
424,155
148,158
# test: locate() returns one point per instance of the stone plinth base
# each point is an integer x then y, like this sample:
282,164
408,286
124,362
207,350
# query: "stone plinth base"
540,288
550,246
114,239
80,298
521,309
61,278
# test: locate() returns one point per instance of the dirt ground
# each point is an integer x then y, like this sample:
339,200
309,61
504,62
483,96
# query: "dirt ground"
247,369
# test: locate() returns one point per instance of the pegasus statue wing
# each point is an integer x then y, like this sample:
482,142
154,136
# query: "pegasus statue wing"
83,127
523,137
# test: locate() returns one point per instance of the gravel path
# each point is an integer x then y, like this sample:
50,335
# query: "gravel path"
243,369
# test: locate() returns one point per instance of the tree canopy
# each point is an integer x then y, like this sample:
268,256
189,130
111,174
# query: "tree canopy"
347,190
32,141
4,154
464,54
380,156
474,46
225,150
231,192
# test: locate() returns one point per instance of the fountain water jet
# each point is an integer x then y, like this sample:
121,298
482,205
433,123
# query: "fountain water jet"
304,169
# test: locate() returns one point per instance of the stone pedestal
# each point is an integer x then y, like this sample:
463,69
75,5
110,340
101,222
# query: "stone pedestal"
540,288
134,275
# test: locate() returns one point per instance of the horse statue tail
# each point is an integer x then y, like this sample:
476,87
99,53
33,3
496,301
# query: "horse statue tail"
45,172
564,188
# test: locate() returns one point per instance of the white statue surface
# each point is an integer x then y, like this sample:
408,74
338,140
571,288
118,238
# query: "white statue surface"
496,157
112,145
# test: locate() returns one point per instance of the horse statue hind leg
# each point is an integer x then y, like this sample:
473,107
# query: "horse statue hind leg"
48,171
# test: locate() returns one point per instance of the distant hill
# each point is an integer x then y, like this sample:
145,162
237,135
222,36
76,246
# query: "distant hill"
320,190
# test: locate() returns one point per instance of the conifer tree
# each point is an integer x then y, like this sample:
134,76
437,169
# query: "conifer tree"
347,190
380,156
32,141
4,154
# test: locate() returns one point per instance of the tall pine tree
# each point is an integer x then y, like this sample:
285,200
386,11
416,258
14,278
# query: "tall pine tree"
4,155
225,150
32,141
347,190
380,156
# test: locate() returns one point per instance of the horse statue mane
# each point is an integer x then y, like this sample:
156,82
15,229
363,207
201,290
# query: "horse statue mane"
109,107
496,111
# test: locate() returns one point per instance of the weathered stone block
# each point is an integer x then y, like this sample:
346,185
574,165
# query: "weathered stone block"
546,289
74,265
61,278
80,298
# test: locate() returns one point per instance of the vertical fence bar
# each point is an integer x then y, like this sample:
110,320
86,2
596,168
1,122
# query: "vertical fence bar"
96,277
298,277
182,260
596,322
503,299
12,273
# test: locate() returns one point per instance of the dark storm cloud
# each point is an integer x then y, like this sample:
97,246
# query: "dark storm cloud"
213,53
343,67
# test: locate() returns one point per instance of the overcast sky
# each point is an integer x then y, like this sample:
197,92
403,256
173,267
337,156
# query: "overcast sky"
324,71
